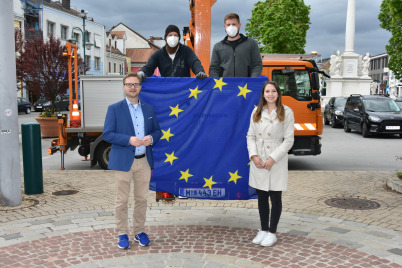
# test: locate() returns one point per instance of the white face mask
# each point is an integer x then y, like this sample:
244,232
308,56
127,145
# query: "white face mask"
232,31
172,41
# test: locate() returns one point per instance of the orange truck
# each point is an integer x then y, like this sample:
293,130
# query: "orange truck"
296,74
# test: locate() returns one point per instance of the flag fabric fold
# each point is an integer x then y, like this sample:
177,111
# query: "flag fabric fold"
203,150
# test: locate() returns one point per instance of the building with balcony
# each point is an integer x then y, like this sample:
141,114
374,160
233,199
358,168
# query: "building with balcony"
62,21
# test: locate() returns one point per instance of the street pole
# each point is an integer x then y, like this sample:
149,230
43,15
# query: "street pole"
10,171
83,41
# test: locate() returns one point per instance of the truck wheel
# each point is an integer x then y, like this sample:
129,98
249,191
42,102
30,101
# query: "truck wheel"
365,130
102,154
346,128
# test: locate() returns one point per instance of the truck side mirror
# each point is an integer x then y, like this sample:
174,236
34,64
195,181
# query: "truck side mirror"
315,81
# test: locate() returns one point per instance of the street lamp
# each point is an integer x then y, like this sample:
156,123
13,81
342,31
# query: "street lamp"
83,32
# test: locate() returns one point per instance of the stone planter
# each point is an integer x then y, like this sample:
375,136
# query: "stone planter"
48,126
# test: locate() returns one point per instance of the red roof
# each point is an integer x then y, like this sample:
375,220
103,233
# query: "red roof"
140,55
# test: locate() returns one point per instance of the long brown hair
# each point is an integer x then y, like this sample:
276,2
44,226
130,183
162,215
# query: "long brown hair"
280,110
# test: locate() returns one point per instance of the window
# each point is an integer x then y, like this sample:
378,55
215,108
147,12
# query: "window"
110,67
97,63
295,84
50,28
63,32
114,65
77,37
87,37
87,60
115,44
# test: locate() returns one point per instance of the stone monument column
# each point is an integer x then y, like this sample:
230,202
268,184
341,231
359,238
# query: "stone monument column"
350,58
350,27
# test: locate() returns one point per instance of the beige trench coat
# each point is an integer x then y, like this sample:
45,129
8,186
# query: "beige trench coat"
270,138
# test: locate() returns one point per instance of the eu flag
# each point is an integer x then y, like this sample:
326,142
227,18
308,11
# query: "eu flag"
203,150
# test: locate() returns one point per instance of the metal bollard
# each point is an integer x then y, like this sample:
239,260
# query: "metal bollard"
32,158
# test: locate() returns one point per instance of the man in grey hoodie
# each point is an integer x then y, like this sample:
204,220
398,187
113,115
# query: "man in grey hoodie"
236,55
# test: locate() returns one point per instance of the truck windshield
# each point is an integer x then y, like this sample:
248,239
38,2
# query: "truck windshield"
296,85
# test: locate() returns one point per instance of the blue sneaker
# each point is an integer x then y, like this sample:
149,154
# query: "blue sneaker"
142,239
123,242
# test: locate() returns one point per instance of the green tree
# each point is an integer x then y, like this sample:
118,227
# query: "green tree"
391,20
279,26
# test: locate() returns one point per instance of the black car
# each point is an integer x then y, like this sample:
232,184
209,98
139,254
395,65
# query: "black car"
372,114
23,105
61,103
333,112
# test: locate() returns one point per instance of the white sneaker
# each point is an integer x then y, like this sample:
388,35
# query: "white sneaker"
260,236
268,240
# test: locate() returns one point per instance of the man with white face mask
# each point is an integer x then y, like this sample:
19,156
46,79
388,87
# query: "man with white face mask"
174,59
236,55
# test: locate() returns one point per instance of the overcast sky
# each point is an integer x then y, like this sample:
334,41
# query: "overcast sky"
326,33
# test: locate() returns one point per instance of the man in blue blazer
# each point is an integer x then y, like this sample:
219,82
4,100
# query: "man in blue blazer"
132,129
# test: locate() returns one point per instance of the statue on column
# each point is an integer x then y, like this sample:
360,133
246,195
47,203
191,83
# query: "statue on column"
335,61
365,64
392,89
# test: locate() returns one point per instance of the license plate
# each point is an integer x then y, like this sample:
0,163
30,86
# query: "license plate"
392,127
39,106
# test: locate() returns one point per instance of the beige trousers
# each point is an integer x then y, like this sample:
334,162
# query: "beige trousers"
140,173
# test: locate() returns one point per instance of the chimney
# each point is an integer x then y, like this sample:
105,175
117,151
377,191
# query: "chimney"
66,4
151,39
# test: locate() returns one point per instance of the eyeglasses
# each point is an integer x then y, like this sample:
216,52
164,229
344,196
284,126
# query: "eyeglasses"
132,84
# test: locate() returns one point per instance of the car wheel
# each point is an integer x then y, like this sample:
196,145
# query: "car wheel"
326,122
28,110
346,128
102,154
333,122
365,130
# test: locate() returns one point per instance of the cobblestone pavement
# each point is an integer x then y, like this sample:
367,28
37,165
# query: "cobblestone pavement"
77,230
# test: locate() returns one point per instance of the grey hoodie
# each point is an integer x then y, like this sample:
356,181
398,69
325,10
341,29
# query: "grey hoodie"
242,61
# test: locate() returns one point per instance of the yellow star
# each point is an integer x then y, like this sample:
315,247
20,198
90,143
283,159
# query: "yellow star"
170,158
208,183
194,92
175,110
166,134
234,177
243,91
185,175
219,83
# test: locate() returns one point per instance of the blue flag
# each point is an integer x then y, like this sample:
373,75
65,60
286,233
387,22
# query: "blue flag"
203,149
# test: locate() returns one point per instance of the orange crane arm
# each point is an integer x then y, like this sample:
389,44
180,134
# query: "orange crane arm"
199,35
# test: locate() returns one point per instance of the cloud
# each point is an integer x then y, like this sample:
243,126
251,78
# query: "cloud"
326,33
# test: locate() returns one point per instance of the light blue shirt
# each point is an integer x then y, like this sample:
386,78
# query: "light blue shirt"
138,122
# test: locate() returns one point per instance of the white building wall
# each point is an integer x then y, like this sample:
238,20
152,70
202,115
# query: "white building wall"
133,40
96,30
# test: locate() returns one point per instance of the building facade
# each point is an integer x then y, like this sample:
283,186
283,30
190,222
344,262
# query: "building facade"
383,76
116,52
62,21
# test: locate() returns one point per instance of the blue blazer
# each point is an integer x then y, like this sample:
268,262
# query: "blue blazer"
119,128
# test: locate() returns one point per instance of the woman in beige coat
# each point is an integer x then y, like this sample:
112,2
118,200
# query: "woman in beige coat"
269,138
